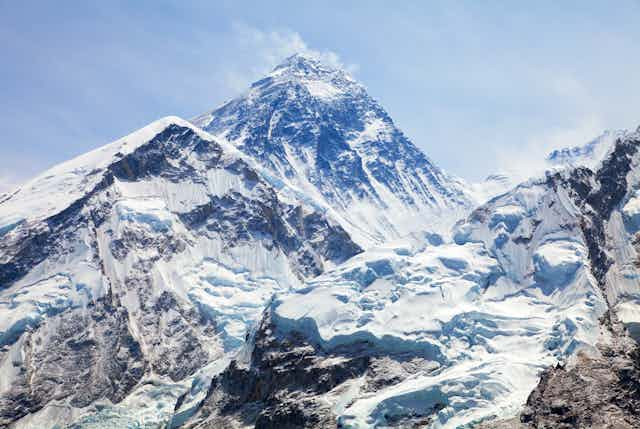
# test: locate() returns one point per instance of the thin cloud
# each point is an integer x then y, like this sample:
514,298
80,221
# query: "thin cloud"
184,74
528,159
258,51
8,183
472,86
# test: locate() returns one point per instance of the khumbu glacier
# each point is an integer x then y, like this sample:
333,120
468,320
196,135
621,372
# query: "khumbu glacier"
291,259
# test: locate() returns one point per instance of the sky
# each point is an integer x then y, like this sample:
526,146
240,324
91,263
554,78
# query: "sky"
480,87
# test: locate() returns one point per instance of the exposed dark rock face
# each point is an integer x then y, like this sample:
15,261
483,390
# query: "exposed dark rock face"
152,324
598,194
610,188
31,243
596,392
337,140
302,237
236,218
100,348
164,156
279,386
282,384
232,215
176,336
135,240
81,355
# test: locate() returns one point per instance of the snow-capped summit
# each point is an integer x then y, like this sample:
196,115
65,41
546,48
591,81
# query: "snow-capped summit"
206,278
322,81
314,127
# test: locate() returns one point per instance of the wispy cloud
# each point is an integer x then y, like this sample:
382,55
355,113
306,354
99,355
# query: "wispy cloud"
478,88
258,51
8,183
528,158
525,158
135,78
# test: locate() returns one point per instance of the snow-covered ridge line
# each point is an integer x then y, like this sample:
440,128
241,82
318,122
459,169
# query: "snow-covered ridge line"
162,259
323,81
525,285
315,128
592,153
60,186
56,188
133,274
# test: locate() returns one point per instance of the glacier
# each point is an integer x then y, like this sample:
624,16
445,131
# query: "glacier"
429,332
460,329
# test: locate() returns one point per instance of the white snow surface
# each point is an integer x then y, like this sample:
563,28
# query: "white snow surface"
623,278
58,187
589,154
230,284
401,190
322,90
486,310
512,295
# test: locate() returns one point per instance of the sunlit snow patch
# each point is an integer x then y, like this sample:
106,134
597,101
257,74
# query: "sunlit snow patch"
556,263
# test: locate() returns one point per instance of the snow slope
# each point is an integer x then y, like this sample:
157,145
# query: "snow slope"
317,129
55,189
440,334
129,275
589,154
512,296
177,279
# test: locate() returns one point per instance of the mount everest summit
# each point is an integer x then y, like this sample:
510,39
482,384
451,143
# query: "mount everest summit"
292,260
315,128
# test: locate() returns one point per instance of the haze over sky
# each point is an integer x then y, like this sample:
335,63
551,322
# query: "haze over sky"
479,86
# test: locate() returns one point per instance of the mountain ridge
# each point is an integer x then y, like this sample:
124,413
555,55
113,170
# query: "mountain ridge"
145,261
315,127
541,277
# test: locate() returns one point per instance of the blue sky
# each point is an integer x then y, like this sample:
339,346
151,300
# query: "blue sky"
479,86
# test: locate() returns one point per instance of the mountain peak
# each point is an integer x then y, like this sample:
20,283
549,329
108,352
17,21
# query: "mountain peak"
314,127
305,68
307,63
300,59
58,187
588,154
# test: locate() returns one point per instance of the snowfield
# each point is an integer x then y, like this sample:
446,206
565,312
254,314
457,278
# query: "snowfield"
486,329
